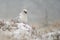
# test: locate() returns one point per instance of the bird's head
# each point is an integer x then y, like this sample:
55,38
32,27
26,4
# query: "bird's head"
25,11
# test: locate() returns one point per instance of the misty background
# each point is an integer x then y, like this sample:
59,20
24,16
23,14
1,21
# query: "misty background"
38,10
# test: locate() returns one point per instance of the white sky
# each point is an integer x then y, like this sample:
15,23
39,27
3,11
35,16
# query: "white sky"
36,9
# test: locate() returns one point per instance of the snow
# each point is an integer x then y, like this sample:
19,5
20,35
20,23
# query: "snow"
21,29
24,31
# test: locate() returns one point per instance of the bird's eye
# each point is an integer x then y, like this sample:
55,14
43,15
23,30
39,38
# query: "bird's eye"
25,12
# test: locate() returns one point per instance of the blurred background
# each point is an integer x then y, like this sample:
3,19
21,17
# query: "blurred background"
39,11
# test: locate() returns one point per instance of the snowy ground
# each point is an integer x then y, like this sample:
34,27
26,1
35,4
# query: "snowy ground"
17,31
22,31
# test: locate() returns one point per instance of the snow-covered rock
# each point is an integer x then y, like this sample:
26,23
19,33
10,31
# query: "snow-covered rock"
19,31
22,28
51,36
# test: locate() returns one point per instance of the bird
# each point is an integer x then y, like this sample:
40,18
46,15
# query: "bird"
23,16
